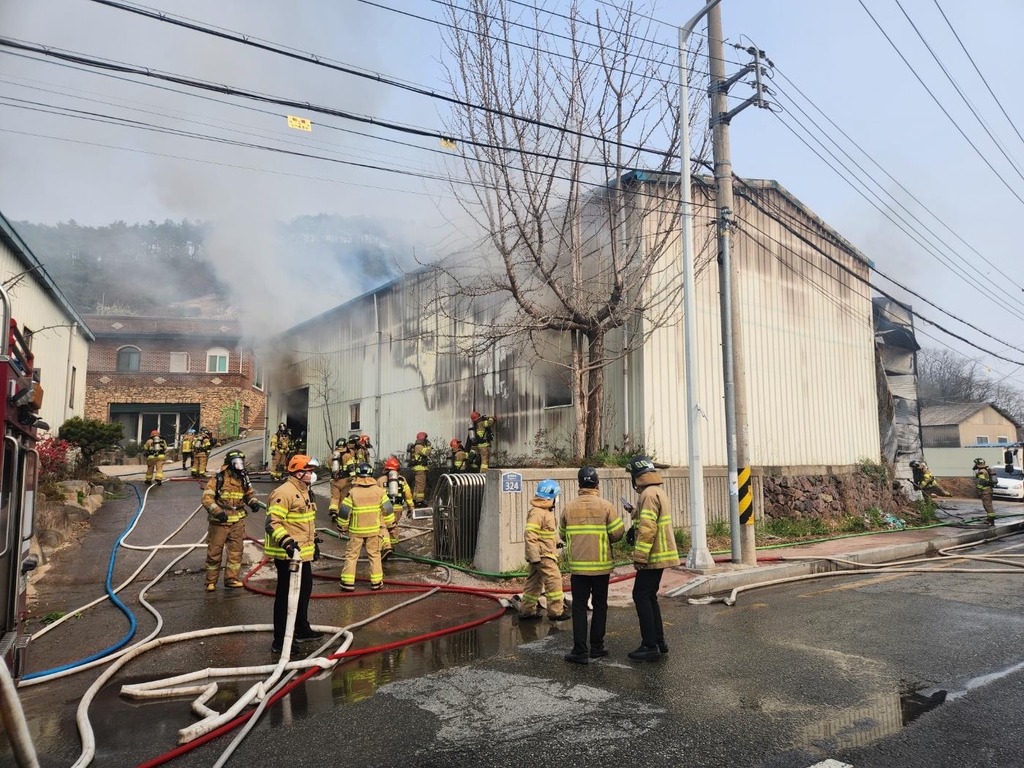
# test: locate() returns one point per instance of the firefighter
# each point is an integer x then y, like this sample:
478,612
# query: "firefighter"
156,451
482,433
291,523
984,482
419,456
925,482
473,459
400,497
201,447
226,495
360,519
542,555
280,442
186,448
343,466
363,450
298,445
654,550
458,457
589,526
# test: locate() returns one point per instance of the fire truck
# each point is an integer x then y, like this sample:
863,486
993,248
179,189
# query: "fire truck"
19,474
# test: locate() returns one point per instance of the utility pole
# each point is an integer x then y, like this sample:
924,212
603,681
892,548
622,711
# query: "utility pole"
741,498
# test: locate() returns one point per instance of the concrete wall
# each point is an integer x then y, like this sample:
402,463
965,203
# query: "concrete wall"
501,542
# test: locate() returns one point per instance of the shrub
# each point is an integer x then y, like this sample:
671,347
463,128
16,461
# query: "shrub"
132,448
90,436
55,461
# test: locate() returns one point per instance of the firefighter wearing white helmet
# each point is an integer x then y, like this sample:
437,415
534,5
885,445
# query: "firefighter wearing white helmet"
362,512
291,522
226,495
542,555
156,451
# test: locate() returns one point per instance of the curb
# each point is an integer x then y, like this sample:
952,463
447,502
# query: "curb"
725,582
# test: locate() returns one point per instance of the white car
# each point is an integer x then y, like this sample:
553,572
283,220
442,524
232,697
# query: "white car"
1009,485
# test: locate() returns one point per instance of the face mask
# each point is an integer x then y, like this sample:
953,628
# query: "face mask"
312,477
237,464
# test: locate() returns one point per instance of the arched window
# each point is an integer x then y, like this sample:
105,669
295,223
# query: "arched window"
128,359
217,360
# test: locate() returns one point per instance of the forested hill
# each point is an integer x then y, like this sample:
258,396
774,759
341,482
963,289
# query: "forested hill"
148,267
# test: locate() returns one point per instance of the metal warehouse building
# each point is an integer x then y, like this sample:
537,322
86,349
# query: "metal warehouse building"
382,365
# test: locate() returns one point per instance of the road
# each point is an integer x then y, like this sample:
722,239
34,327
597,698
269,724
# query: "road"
907,670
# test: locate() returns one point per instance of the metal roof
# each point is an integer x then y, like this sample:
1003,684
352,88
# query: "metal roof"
13,240
942,415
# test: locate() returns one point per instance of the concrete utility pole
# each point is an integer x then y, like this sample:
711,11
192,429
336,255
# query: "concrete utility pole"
741,498
699,557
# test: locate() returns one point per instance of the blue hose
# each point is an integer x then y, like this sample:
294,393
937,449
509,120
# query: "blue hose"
113,598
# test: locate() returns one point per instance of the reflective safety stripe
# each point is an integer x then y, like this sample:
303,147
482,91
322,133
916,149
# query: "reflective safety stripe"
364,520
553,595
615,525
541,533
529,599
649,514
587,528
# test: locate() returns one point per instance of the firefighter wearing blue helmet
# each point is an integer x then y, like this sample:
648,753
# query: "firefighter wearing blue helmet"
542,555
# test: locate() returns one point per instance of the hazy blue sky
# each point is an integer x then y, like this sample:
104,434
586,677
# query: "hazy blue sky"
831,50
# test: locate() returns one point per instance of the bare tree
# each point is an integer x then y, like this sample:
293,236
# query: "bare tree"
321,384
946,377
568,162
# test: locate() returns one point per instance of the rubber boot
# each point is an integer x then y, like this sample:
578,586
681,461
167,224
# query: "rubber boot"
662,646
597,650
578,655
645,653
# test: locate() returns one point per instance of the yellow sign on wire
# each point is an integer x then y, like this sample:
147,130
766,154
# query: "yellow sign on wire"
300,123
449,144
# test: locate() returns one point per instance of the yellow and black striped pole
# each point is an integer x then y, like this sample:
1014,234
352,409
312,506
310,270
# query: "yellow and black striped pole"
746,497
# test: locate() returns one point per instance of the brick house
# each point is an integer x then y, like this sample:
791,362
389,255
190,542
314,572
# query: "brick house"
172,374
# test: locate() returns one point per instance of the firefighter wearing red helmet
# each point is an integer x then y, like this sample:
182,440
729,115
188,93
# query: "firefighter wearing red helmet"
401,498
481,435
458,457
419,456
156,451
363,450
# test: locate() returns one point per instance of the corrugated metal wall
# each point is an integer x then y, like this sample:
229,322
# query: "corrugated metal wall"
808,339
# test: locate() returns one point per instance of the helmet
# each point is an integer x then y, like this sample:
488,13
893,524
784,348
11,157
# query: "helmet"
302,433
474,416
548,489
587,477
364,470
391,463
155,433
190,432
979,463
235,460
364,440
639,465
421,435
282,427
915,464
455,443
339,442
300,462
353,439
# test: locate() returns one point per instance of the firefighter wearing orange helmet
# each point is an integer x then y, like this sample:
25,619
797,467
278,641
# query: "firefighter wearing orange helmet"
156,451
419,456
401,498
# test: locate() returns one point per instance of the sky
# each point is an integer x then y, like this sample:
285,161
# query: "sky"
832,51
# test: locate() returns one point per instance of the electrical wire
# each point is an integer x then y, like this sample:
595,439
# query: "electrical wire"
940,105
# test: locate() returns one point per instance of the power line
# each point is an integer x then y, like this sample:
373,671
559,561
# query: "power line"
978,70
310,58
960,92
751,199
902,187
938,103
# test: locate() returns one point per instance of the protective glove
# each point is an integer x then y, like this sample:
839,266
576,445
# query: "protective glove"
631,537
560,545
316,548
639,566
255,506
289,546
220,515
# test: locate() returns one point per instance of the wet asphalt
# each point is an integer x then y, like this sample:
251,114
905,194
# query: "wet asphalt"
872,671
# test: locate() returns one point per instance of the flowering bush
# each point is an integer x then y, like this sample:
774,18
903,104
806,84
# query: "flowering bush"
56,458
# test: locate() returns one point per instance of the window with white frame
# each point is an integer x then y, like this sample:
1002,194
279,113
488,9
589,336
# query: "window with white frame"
217,360
179,362
1002,439
980,439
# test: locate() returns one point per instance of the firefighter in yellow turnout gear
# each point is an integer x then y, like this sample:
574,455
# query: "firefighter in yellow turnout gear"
291,525
186,448
226,495
984,482
343,467
360,518
156,451
201,447
481,435
280,446
419,456
401,498
542,555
